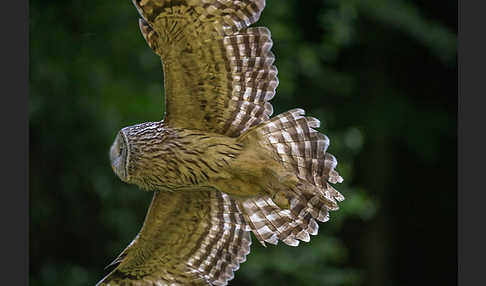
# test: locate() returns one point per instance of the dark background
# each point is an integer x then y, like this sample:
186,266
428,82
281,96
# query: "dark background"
380,75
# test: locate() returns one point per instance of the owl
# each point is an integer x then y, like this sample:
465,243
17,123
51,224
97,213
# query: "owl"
219,166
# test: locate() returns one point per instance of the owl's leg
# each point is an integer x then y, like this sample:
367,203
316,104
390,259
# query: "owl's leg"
236,187
278,183
262,177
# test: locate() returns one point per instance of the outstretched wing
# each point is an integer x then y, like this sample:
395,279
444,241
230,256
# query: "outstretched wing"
218,73
188,238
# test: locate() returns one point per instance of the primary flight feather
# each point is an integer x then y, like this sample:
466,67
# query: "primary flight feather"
219,166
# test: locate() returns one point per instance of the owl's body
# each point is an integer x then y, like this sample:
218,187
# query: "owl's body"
174,158
164,158
219,166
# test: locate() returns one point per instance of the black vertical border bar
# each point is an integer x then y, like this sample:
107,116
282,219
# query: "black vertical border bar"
471,143
14,139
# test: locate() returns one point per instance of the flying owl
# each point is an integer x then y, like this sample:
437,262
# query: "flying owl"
218,165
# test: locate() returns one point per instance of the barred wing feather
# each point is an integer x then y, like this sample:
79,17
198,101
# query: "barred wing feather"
188,238
216,69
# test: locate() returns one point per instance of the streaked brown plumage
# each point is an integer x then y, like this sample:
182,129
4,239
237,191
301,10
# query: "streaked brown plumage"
219,167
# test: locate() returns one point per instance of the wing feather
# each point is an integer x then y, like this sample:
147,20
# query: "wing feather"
188,238
218,73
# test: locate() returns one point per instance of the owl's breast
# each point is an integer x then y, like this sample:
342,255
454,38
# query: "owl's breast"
183,159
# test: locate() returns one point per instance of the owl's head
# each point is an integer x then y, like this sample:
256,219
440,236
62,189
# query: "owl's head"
119,156
135,153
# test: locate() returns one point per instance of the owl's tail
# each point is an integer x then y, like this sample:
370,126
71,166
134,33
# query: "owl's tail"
302,151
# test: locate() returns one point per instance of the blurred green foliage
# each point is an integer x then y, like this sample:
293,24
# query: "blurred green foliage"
379,74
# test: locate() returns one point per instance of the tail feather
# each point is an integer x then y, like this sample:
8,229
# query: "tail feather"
302,150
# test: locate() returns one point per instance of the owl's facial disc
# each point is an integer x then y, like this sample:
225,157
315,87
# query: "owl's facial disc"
119,157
